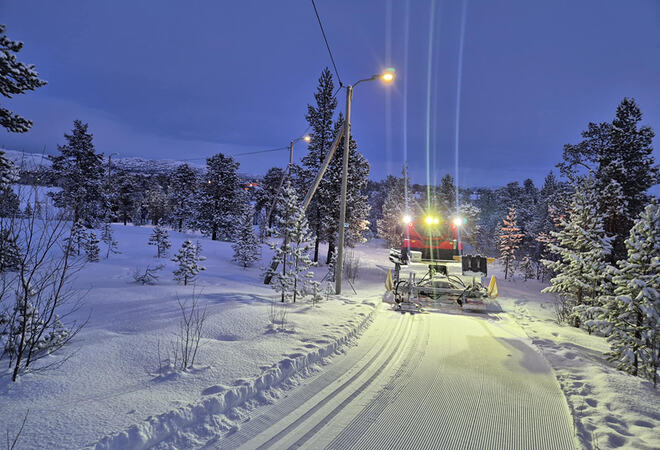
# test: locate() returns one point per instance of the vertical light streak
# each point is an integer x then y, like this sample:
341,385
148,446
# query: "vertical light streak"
406,40
459,83
388,92
429,73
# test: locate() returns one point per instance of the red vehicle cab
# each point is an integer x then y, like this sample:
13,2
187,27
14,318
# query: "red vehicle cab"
434,237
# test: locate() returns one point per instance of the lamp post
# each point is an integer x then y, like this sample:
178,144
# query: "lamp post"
387,76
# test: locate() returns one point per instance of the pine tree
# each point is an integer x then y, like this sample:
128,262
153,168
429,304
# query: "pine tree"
156,203
77,237
266,194
8,172
509,239
108,239
246,249
15,78
220,200
320,120
357,202
293,256
92,247
188,259
621,156
160,237
10,251
634,313
127,198
182,193
582,249
80,175
395,207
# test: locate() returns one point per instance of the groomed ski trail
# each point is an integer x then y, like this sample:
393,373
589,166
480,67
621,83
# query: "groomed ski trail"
421,381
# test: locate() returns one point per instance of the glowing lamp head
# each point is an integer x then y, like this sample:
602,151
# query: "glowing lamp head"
458,221
388,75
307,138
429,220
407,219
436,220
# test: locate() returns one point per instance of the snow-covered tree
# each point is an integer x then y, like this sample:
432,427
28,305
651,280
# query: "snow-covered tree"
292,280
80,175
621,156
509,239
320,118
8,172
77,237
357,201
395,207
220,199
156,204
182,192
266,195
107,237
247,248
127,198
582,249
15,78
188,259
10,251
92,249
160,237
634,312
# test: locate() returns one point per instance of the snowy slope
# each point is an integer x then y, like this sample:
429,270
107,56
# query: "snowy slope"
112,380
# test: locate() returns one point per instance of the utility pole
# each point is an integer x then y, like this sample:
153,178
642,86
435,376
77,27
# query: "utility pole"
344,184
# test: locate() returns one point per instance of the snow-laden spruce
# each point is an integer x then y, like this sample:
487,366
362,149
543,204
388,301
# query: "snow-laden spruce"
292,278
247,249
509,239
396,205
15,78
632,314
92,249
188,258
582,251
160,237
182,191
80,174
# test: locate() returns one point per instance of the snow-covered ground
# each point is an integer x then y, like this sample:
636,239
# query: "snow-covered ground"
112,381
611,409
110,392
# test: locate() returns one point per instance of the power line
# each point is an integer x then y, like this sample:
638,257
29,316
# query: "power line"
326,44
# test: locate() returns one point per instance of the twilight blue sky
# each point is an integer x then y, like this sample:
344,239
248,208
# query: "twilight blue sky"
185,80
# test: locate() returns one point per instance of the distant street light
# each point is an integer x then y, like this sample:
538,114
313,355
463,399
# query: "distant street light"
306,138
387,76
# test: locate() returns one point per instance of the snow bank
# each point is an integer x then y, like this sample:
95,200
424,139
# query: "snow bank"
164,426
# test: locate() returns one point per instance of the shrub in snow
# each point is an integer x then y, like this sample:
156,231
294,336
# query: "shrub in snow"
147,276
38,297
108,239
188,259
77,237
582,249
160,237
293,255
509,239
634,310
183,351
92,247
247,248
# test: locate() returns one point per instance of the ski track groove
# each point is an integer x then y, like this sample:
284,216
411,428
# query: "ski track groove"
365,419
281,409
356,392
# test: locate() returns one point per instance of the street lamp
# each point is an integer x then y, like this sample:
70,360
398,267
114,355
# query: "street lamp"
386,76
306,138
